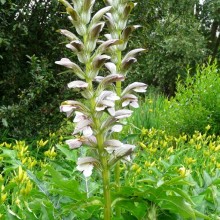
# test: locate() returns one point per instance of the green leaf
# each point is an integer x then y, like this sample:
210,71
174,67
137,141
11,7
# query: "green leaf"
4,122
136,208
207,178
70,154
3,2
176,204
40,185
66,187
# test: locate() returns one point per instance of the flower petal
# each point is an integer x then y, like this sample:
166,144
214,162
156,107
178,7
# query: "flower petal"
136,86
111,67
69,64
87,131
123,113
77,84
68,109
117,128
68,34
74,143
132,53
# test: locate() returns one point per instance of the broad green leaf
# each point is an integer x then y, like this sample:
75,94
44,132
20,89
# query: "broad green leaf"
40,185
176,204
136,208
207,178
64,186
70,154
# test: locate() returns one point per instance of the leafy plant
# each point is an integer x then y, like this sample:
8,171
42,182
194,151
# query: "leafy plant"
196,103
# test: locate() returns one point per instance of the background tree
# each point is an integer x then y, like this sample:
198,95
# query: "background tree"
173,37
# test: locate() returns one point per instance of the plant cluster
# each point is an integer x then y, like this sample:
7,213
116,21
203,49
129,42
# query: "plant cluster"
196,103
20,198
172,168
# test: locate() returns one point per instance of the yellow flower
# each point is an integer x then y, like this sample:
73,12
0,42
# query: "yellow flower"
1,178
3,197
190,160
22,175
17,201
153,150
8,145
50,153
42,143
183,172
138,170
207,127
198,146
217,148
191,141
170,150
148,164
2,144
142,145
134,167
144,131
150,101
211,146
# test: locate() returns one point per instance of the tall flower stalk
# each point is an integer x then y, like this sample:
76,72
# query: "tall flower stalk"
98,118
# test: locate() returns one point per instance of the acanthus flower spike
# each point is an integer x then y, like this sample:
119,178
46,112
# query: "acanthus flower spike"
93,127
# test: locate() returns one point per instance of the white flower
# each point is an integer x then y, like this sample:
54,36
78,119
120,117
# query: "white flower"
69,64
65,62
123,113
77,84
121,152
79,116
124,150
111,67
112,145
116,128
74,143
130,99
106,100
136,86
68,109
84,127
85,165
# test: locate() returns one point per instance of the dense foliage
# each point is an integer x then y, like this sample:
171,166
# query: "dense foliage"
44,183
174,172
196,103
175,34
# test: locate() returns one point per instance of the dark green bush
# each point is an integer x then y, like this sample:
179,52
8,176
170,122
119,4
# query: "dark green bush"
36,111
196,103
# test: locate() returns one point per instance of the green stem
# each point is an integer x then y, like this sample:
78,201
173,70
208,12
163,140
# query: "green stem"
106,190
117,166
104,164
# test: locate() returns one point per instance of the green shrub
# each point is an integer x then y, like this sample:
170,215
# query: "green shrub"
196,103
